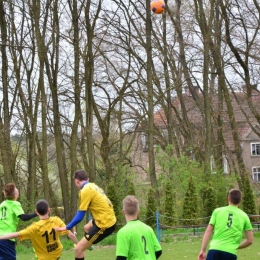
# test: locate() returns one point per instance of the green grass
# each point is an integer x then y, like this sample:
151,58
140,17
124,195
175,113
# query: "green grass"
178,248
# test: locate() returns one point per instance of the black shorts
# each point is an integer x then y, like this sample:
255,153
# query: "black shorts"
220,255
97,234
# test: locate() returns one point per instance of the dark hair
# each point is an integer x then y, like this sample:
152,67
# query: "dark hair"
80,175
235,196
42,207
130,205
9,191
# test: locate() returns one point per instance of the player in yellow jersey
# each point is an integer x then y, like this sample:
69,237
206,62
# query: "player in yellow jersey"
45,240
93,198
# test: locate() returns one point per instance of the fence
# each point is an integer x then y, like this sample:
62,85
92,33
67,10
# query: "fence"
197,229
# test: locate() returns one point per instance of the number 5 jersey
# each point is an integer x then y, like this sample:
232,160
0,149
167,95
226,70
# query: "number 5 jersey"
229,224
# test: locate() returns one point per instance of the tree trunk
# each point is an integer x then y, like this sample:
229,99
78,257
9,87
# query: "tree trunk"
150,102
7,157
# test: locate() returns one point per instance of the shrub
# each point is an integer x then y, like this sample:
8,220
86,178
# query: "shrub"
151,209
190,207
169,205
248,198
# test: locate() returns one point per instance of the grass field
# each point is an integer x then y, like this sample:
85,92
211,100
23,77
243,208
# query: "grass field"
178,249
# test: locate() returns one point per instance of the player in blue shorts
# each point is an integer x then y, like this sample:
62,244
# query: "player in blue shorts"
46,241
10,213
227,224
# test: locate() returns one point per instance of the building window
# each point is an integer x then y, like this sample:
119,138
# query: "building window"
256,173
255,149
212,164
225,165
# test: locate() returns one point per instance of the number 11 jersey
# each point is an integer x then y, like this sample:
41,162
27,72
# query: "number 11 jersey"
45,239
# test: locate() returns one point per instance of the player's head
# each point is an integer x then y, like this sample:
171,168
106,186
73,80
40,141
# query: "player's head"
235,196
79,177
11,192
131,205
42,207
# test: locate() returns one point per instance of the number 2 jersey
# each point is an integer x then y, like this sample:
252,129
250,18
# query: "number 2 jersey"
45,239
9,212
137,241
229,224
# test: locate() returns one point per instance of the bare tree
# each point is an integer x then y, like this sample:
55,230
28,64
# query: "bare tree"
7,157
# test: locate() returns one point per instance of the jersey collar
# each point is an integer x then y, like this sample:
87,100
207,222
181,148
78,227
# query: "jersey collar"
84,183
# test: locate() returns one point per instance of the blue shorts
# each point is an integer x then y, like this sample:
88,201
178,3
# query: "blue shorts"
220,255
7,250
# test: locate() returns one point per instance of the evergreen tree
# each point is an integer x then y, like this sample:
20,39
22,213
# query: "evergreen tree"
111,194
190,206
209,201
131,189
151,209
248,201
169,205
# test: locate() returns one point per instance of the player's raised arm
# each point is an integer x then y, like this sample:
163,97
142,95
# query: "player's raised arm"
73,237
60,228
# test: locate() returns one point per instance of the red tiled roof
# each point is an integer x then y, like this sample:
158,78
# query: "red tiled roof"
160,118
238,101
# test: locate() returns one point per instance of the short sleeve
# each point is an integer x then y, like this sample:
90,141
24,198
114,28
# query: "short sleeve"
84,199
60,223
157,246
17,209
122,245
26,233
248,225
213,218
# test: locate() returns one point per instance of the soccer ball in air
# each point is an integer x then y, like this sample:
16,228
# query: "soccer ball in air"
157,6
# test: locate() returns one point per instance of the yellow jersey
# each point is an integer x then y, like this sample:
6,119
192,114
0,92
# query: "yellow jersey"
92,197
45,239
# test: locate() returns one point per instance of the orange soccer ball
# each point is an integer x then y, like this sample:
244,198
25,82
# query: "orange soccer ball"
157,6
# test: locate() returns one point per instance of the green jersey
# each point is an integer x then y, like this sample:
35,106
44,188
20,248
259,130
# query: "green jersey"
9,212
229,224
137,241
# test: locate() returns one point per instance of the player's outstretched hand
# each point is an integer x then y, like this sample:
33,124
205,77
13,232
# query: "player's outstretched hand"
59,228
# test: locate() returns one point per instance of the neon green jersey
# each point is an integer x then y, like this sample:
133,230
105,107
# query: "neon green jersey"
45,240
137,241
229,224
9,212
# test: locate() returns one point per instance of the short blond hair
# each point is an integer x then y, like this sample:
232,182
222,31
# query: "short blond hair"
130,205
